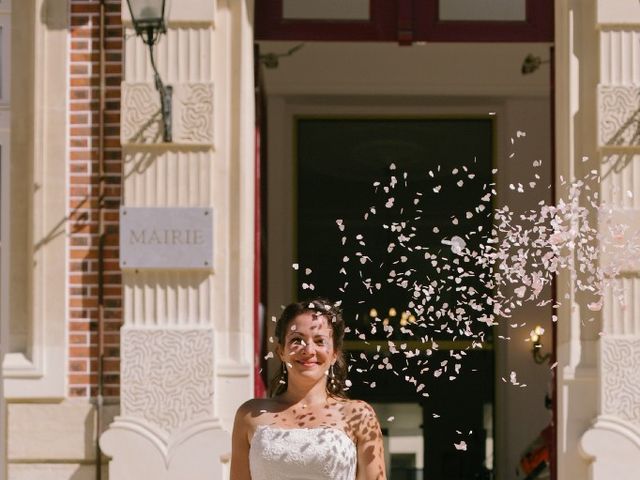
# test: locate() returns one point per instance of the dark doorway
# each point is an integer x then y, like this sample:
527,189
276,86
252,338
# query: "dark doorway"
376,197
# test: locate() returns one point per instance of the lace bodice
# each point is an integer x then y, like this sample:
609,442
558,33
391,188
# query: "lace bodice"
322,453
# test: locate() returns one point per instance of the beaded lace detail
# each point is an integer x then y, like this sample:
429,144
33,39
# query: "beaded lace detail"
321,453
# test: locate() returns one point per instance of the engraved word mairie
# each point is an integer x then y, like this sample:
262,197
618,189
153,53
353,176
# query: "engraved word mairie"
166,238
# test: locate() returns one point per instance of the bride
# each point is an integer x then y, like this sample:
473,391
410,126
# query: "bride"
308,429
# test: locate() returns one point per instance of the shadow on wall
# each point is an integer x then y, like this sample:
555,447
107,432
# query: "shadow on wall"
87,472
54,14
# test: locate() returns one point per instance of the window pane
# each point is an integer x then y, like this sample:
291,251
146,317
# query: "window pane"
326,9
483,10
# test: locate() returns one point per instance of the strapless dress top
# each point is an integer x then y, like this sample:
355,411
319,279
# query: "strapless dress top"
322,453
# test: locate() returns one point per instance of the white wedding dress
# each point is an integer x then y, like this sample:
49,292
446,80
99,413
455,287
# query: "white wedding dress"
322,453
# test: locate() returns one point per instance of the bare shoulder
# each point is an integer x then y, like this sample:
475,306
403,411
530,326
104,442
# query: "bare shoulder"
361,419
358,408
252,405
254,408
369,442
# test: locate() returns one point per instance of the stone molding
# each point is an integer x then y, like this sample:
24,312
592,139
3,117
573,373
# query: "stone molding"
185,11
198,451
192,114
612,448
619,116
167,376
617,12
622,428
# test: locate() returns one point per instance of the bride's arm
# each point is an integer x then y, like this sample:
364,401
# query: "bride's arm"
240,445
369,443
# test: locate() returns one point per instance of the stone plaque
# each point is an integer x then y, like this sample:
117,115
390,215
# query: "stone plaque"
166,238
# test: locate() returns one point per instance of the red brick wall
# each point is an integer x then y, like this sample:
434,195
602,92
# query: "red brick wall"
84,95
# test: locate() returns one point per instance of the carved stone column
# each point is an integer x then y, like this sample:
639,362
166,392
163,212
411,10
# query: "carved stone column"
187,334
612,444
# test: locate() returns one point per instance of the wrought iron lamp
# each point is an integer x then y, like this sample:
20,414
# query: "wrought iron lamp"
531,63
149,22
536,339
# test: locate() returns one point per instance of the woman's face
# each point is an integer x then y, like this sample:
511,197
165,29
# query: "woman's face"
308,350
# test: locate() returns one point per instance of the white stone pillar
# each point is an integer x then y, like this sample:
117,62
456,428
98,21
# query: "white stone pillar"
186,343
576,64
600,359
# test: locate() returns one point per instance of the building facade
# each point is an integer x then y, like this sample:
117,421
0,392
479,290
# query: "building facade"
123,373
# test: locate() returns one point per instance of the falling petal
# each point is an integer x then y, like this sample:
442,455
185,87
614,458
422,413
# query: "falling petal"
461,446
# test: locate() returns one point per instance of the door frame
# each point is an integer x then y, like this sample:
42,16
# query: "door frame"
282,114
5,246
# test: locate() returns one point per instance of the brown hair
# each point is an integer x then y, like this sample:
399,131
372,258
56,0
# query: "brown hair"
321,307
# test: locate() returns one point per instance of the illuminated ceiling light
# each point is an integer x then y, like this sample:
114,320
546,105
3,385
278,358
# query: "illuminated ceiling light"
536,339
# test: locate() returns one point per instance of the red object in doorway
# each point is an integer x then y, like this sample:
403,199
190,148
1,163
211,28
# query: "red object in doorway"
259,294
259,387
537,456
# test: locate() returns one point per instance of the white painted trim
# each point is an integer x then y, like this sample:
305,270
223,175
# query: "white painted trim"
5,205
5,246
5,57
471,90
5,210
44,374
232,369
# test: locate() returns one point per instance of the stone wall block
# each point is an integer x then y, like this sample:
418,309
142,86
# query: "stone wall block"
35,428
192,114
53,471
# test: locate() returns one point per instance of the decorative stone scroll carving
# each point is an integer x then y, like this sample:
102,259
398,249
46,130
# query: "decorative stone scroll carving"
141,121
619,116
620,363
167,375
192,114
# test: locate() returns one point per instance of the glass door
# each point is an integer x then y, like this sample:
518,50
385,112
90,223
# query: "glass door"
378,204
